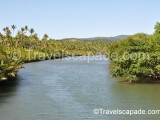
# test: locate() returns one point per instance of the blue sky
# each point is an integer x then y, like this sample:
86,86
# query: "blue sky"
81,18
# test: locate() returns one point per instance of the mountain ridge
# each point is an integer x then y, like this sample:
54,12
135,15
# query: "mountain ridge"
115,38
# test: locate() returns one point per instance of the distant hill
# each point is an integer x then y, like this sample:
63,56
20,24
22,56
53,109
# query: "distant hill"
119,37
71,39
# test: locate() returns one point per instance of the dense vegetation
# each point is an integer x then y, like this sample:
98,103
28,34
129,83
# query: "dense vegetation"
25,46
137,58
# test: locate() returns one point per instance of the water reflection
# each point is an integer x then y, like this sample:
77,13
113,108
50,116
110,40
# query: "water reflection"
8,88
136,96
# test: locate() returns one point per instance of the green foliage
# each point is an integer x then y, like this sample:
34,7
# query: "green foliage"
135,58
20,48
157,28
138,57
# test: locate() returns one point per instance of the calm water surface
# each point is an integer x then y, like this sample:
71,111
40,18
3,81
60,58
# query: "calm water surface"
70,90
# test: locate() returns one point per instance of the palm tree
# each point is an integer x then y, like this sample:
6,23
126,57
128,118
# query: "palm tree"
4,30
7,34
13,28
31,31
31,36
22,30
7,31
26,28
22,35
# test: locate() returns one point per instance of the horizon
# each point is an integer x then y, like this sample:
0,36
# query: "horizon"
96,37
82,19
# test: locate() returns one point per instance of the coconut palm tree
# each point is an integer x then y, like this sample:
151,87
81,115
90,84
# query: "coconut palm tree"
31,31
13,28
7,31
22,30
26,28
31,36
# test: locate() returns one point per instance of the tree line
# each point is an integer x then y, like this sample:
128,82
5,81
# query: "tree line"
137,57
133,59
25,46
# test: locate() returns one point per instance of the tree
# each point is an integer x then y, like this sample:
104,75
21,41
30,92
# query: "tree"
26,28
7,32
45,37
157,29
22,30
13,28
31,31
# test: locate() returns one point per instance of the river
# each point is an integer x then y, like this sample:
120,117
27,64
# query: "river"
66,89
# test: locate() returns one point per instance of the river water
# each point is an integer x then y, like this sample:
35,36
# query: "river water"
68,89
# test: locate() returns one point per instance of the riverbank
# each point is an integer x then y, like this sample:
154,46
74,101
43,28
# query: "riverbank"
11,73
26,47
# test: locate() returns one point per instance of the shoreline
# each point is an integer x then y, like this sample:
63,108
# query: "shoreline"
8,78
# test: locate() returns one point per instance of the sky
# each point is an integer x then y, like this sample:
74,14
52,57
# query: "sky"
81,18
